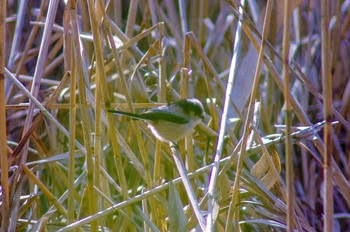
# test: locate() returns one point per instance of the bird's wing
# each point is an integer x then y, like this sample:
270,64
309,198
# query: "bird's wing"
161,114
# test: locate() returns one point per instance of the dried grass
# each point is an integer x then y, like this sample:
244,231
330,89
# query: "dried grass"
71,165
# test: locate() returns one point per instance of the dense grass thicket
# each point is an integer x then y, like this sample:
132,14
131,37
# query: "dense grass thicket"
271,154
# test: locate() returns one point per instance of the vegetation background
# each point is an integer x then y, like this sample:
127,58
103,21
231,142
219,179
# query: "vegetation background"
67,164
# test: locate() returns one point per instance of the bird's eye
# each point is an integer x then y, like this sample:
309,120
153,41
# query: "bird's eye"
194,114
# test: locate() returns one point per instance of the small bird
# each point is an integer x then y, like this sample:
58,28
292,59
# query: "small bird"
171,122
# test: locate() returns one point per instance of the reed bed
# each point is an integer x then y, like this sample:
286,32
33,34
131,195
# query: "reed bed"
272,153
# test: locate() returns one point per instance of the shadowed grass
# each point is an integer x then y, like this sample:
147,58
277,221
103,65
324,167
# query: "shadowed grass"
66,163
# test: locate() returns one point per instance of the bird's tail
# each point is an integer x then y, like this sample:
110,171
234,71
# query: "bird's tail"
129,114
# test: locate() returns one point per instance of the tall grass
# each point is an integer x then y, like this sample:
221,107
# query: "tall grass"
263,159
